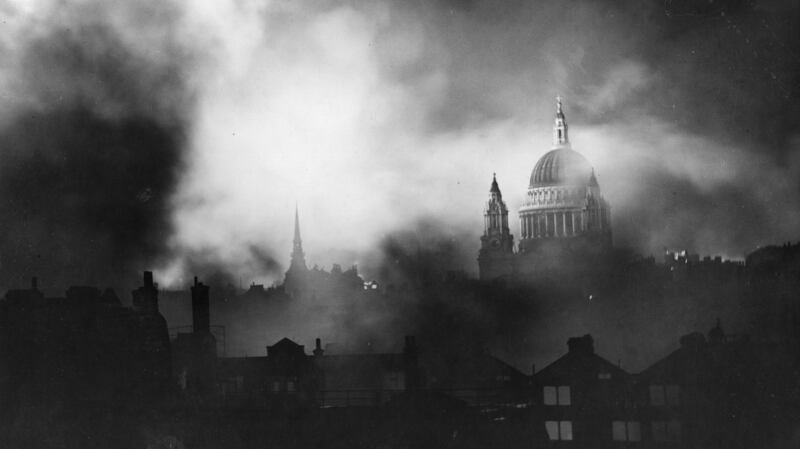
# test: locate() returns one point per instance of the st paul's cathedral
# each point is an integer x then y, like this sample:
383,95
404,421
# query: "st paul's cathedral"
564,222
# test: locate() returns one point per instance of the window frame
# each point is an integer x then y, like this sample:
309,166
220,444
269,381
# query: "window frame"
669,395
561,393
629,435
559,430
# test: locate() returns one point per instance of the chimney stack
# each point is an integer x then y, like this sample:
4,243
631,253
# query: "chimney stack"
584,345
318,352
148,279
145,298
201,315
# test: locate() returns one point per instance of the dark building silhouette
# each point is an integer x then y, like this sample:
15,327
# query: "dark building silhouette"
84,346
585,401
775,262
565,223
721,391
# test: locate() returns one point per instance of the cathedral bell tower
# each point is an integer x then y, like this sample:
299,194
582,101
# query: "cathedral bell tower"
495,259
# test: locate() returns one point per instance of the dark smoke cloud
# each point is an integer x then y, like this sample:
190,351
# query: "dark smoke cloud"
91,150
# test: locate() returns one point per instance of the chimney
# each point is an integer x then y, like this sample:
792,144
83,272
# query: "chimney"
583,345
318,352
201,315
148,279
145,298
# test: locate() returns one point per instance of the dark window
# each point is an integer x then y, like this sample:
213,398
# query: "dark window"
626,431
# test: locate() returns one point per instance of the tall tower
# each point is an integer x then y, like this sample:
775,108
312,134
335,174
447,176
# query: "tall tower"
298,260
495,259
297,274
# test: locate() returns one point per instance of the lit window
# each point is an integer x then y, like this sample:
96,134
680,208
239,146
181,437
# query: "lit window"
290,386
626,431
276,386
666,431
557,395
559,430
604,376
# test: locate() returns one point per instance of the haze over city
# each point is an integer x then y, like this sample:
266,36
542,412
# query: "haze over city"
380,119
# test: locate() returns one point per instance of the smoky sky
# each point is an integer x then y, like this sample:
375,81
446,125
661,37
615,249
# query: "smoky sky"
180,137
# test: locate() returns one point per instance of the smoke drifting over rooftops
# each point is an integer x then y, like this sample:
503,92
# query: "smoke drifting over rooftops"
178,136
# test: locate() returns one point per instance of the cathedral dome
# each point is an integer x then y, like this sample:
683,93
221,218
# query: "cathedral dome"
562,166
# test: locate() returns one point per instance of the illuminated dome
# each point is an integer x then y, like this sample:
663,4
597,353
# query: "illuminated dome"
564,199
562,167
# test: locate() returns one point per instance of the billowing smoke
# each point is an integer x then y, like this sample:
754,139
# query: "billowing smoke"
93,131
372,117
180,136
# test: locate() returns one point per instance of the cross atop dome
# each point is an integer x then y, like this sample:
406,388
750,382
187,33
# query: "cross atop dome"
560,128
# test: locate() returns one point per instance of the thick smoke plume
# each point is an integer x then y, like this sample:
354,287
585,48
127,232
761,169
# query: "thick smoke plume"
93,131
374,116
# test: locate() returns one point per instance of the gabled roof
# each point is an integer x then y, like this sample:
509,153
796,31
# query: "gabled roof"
577,365
285,347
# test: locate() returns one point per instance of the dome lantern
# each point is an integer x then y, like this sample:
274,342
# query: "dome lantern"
560,128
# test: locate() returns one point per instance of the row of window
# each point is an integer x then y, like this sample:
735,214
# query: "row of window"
661,431
659,394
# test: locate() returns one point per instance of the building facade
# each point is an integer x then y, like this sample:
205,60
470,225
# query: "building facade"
565,223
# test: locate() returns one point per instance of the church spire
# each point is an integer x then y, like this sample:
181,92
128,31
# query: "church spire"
560,128
298,258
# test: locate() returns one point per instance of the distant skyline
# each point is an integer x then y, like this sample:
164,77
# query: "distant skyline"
179,137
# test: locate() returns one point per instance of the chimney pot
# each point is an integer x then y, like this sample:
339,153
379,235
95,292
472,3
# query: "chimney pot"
583,344
148,278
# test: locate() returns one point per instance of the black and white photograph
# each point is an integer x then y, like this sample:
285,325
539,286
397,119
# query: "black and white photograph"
400,224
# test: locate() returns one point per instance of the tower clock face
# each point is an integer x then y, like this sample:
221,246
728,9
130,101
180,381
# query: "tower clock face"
495,243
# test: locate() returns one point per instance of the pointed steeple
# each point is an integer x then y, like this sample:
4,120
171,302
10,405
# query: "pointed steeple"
560,128
298,258
495,188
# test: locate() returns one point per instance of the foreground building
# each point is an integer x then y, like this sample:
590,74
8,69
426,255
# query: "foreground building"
584,400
